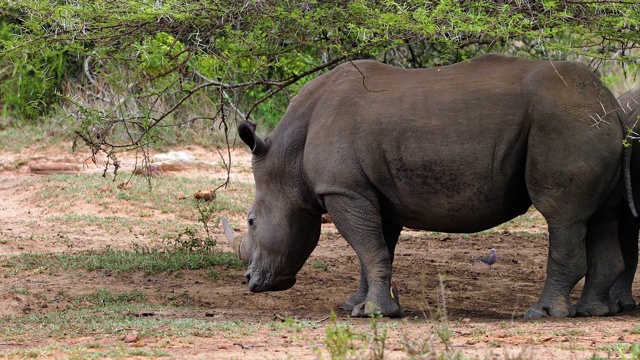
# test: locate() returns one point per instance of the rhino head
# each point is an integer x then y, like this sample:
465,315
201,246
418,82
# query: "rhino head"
283,224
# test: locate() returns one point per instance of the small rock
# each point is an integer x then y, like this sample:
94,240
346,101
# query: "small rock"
125,186
131,338
174,155
206,195
145,313
54,168
150,170
170,165
105,189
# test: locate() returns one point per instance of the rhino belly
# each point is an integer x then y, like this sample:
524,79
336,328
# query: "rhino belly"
454,201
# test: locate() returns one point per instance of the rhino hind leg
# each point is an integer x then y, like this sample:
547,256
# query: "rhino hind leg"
566,265
561,308
604,264
598,307
628,229
621,294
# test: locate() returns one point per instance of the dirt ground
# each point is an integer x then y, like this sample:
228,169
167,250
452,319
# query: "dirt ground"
483,307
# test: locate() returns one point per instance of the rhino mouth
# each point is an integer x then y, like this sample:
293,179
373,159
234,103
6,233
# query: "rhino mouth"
262,283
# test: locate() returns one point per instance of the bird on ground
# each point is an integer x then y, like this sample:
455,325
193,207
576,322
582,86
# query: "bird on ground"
490,259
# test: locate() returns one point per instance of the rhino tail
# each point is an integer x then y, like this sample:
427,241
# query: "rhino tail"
626,168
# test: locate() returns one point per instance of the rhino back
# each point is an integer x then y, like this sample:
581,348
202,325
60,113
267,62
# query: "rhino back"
630,102
442,149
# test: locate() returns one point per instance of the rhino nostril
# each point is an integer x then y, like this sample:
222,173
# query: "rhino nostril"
247,277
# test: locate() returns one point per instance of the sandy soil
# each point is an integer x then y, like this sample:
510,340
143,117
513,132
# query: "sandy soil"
483,307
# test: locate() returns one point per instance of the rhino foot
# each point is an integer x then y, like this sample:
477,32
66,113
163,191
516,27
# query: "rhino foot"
368,309
390,305
627,303
623,298
536,311
596,308
353,301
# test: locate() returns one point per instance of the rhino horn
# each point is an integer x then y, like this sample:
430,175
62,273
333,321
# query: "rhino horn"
234,238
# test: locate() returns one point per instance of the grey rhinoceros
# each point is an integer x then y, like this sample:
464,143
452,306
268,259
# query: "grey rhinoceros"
459,148
629,225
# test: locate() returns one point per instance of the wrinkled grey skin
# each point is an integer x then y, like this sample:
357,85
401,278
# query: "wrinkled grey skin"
461,149
629,226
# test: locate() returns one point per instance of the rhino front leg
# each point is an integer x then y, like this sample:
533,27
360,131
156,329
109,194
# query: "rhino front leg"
391,235
360,223
361,294
566,265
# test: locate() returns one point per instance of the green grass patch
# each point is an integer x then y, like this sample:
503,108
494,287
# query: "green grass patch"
290,324
18,138
109,318
165,195
319,265
140,259
105,298
84,352
103,313
85,224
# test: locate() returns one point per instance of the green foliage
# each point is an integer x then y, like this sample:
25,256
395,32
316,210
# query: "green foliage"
161,54
320,265
377,340
153,69
339,340
30,81
151,261
103,298
634,352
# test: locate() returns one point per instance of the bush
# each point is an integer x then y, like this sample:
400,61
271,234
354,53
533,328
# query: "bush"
30,82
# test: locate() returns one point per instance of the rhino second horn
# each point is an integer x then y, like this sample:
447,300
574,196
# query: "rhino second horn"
234,238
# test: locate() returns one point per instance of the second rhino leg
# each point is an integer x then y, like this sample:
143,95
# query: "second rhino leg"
628,239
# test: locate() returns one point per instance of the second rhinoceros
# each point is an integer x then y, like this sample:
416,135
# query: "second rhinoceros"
629,225
459,148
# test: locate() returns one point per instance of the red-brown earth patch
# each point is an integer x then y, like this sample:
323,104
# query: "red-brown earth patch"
483,307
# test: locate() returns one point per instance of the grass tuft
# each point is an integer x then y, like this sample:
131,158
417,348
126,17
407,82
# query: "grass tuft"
149,260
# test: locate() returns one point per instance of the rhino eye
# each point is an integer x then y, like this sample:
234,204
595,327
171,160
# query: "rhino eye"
251,218
250,222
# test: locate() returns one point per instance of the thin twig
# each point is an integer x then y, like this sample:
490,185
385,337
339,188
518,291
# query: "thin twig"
556,70
282,85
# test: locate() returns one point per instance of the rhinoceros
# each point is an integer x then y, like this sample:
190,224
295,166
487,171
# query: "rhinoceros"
458,148
629,225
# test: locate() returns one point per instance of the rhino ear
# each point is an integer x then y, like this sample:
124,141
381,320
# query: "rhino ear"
247,132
